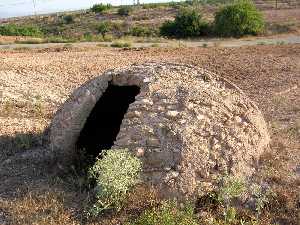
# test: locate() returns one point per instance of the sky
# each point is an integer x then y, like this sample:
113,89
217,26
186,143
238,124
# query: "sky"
12,8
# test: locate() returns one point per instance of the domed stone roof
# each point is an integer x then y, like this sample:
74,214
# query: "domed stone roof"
187,125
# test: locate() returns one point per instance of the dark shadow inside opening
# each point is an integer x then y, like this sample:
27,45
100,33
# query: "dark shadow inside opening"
103,124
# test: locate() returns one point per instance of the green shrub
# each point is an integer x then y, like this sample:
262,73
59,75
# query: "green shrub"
140,31
125,10
99,8
167,214
103,28
121,44
188,23
68,19
115,172
238,19
15,30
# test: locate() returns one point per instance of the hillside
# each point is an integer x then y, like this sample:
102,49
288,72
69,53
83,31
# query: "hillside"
144,21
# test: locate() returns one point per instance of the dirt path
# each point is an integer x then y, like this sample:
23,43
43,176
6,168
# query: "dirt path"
285,39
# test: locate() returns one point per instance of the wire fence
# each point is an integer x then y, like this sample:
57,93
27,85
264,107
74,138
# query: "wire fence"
277,4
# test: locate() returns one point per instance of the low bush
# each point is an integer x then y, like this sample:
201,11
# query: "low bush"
238,19
140,31
188,23
59,39
125,10
68,19
115,173
121,44
15,30
99,8
103,28
167,214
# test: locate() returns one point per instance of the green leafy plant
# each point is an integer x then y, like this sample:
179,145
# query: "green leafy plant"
125,10
115,173
238,19
187,23
168,214
99,8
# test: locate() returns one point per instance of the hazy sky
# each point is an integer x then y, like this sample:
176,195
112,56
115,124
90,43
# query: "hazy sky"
10,8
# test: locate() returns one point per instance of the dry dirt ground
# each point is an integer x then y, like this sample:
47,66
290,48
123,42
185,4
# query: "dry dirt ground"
34,83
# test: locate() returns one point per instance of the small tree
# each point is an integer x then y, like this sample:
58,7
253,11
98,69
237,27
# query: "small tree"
188,23
125,10
68,19
238,19
99,8
103,28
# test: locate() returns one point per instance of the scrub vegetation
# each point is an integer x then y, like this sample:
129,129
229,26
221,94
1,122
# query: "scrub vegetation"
187,19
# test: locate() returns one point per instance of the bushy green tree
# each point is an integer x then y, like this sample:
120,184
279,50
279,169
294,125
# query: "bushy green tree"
187,23
238,19
99,8
68,19
125,10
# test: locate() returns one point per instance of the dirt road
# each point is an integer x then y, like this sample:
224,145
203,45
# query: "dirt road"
208,42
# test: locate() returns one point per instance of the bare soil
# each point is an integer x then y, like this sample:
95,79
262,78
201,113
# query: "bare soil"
34,83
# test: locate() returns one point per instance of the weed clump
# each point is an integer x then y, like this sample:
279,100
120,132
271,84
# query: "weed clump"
238,19
121,44
115,173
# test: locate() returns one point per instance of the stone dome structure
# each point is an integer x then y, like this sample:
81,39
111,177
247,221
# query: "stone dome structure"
187,125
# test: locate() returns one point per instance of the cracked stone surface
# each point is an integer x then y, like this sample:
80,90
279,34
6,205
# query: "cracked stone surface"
187,125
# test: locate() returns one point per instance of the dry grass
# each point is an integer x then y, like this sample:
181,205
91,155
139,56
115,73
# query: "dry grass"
38,209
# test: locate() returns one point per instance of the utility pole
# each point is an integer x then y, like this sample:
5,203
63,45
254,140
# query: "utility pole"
34,6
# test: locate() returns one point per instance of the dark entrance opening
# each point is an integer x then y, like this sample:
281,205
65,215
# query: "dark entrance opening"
103,124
